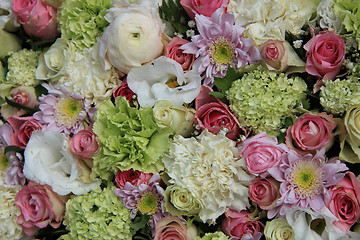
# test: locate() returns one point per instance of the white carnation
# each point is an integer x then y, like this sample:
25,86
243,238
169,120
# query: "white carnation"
48,161
208,166
9,212
328,19
86,75
273,17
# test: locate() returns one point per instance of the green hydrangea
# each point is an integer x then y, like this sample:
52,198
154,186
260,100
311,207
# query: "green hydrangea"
213,236
98,214
263,99
349,11
83,20
21,68
129,138
337,96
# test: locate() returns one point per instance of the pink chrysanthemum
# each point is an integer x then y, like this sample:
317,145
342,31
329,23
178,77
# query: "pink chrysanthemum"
146,198
305,180
219,44
63,111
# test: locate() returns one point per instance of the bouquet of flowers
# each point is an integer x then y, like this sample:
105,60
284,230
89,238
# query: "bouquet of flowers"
180,119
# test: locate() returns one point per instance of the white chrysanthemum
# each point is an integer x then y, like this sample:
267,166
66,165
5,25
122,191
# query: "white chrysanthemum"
208,166
269,19
85,75
9,212
49,161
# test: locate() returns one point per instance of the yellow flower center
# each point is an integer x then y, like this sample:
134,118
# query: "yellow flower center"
148,204
67,111
221,52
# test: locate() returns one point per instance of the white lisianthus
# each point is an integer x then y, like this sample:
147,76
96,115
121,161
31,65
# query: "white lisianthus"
85,75
270,19
8,19
176,117
49,161
308,225
134,37
209,168
9,212
52,62
163,79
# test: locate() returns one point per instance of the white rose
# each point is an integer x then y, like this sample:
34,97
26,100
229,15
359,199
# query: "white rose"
176,117
278,229
163,79
52,62
48,161
134,37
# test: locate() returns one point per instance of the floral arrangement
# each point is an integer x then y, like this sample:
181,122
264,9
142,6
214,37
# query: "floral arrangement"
180,119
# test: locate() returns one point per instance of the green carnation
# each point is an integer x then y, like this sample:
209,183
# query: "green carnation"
179,201
337,96
349,12
22,66
129,138
98,214
83,20
263,99
213,236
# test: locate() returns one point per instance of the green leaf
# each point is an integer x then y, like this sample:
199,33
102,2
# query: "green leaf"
140,222
13,149
174,13
20,106
225,83
40,90
218,95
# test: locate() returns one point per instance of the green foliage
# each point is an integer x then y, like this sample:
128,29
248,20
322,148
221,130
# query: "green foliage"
174,13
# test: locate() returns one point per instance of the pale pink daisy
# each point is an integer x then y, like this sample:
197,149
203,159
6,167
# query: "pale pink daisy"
305,180
219,44
63,111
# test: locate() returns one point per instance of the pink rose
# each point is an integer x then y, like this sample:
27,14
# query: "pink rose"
262,153
214,115
310,133
265,192
238,224
172,51
204,7
123,90
343,201
325,56
39,207
134,177
273,53
84,144
37,18
23,128
172,227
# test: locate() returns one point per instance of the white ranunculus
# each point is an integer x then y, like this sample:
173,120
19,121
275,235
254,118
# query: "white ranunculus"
9,212
48,161
85,75
133,37
52,62
163,79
